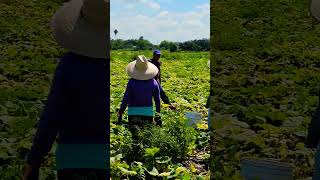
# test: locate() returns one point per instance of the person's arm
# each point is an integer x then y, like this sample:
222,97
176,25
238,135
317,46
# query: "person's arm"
156,96
163,96
159,77
208,102
125,99
313,136
48,124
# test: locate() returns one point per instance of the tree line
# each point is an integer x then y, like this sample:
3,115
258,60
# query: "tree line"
143,44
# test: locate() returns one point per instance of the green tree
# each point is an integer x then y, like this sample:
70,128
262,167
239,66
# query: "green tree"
164,45
173,47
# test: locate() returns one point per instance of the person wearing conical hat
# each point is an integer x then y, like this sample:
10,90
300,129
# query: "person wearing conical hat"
313,137
76,113
141,89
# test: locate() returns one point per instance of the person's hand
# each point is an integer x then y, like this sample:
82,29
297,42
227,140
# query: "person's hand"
31,173
172,107
119,117
119,114
158,120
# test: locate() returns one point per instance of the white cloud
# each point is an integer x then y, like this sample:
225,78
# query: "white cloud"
204,9
163,14
129,6
153,5
165,1
165,25
146,3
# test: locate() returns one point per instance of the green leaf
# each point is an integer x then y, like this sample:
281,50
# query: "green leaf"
154,172
112,159
163,159
118,157
165,174
200,178
151,151
186,176
181,169
127,172
4,155
300,145
193,167
137,163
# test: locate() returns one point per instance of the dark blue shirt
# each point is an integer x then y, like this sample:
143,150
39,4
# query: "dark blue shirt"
139,93
77,109
158,65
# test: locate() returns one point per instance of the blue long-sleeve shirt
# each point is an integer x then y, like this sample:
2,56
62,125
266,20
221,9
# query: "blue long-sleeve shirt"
76,114
138,97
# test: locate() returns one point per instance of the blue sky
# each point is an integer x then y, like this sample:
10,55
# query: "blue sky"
157,20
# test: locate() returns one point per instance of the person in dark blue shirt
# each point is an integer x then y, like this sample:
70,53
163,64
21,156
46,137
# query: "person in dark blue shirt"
76,114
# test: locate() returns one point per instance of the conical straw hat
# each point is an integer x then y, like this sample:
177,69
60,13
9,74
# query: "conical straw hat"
142,69
82,26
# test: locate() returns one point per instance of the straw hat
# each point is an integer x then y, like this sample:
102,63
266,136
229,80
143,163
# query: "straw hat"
82,26
142,69
315,9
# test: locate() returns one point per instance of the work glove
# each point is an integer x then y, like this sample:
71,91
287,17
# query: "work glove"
172,107
31,173
119,117
158,120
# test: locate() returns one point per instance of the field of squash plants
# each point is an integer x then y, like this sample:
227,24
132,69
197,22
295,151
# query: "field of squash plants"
265,74
265,77
175,151
29,55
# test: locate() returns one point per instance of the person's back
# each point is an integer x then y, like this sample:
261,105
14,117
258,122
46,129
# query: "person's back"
76,112
86,105
142,93
139,97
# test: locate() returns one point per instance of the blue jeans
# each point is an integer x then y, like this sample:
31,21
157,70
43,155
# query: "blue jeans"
316,174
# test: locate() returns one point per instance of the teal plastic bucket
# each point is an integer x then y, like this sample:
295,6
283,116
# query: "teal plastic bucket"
193,118
255,169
